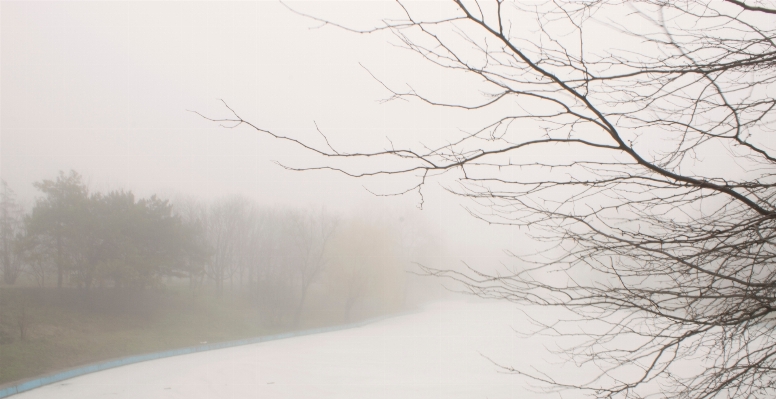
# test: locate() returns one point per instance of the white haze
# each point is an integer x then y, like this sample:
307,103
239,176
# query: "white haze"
103,88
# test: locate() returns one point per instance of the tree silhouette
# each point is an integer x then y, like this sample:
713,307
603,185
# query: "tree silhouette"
633,138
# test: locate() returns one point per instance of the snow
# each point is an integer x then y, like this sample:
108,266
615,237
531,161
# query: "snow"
435,353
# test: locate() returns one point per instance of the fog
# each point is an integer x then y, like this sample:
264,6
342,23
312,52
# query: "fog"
180,174
104,89
106,100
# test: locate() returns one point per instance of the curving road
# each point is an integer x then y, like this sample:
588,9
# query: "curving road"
434,353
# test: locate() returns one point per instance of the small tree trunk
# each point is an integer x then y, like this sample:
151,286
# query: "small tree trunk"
59,262
21,321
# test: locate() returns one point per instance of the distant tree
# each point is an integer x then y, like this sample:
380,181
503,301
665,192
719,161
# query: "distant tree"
106,237
164,241
196,251
36,252
140,241
275,274
11,225
226,221
119,225
312,233
247,243
61,215
253,246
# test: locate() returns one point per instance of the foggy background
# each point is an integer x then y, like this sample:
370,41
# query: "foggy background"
126,93
104,88
111,91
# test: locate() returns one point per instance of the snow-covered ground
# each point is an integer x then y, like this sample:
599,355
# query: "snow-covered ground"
435,353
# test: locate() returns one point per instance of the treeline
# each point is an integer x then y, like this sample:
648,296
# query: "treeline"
281,260
85,239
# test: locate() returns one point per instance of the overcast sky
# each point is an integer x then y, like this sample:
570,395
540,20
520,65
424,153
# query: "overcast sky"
103,88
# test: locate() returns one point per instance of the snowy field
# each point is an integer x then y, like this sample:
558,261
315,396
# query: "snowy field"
435,353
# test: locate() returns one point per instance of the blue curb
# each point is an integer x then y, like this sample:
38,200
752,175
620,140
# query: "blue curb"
93,368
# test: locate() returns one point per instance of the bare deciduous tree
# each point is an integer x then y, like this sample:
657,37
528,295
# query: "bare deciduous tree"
276,294
635,139
225,225
311,235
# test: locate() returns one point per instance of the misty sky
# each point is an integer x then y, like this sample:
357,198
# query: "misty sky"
103,88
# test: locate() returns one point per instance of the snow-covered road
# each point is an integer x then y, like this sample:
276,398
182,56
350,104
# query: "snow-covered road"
434,353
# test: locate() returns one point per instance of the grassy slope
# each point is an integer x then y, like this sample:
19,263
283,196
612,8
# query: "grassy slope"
67,329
